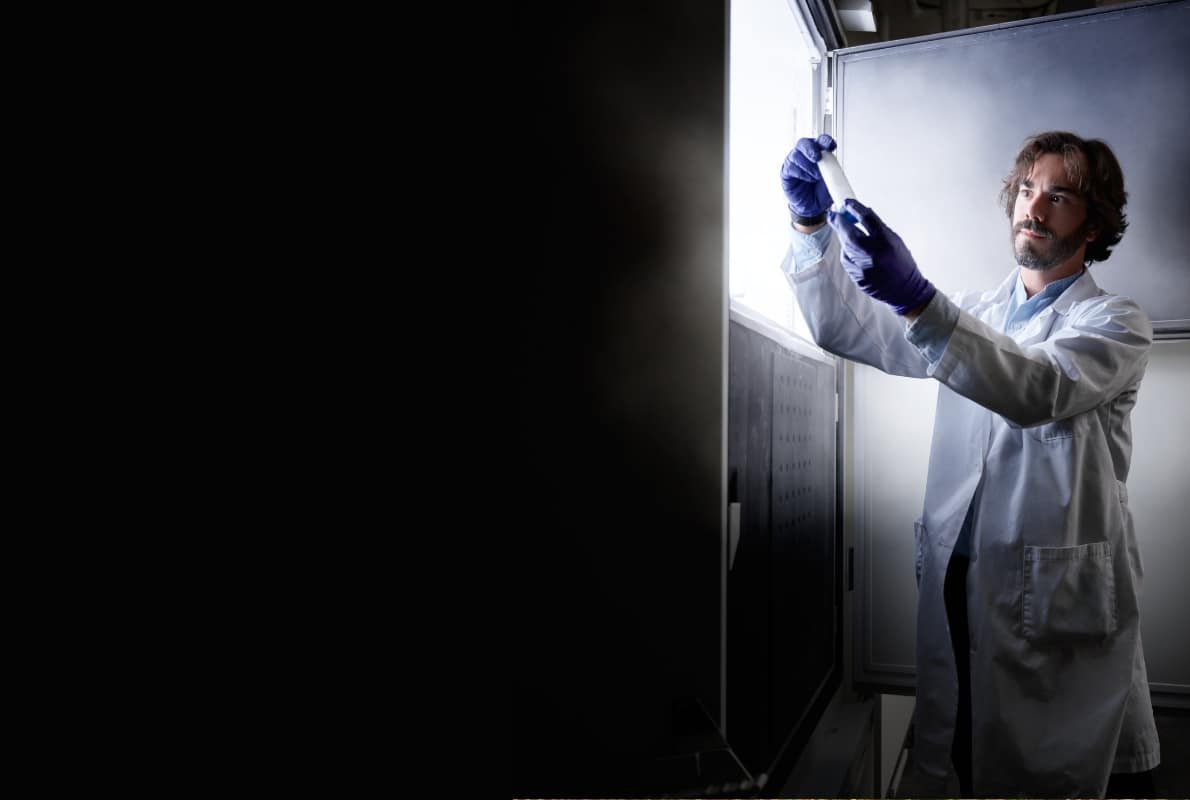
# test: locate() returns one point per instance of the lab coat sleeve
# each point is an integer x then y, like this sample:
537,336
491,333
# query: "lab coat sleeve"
845,321
930,332
1100,351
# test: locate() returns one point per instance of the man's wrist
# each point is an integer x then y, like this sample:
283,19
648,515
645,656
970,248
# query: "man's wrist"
807,224
812,221
914,313
917,310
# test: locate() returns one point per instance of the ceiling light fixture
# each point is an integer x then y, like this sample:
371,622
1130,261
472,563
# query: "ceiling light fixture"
856,15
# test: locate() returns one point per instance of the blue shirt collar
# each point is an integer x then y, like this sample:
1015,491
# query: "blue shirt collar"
1021,309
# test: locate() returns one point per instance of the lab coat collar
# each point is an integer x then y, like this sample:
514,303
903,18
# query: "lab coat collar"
995,302
1084,287
1003,292
1039,327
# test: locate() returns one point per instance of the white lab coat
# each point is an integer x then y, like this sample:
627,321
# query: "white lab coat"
1038,423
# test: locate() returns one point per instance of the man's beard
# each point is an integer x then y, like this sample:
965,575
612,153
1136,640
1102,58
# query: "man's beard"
1055,252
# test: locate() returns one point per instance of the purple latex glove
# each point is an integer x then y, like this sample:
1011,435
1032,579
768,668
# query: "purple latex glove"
801,180
878,261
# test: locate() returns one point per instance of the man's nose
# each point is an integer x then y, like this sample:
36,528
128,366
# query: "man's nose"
1036,207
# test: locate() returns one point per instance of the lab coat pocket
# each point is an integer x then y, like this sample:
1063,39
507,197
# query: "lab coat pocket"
1069,592
1060,430
919,547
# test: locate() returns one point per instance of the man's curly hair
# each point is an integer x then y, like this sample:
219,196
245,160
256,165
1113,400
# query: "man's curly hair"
1093,168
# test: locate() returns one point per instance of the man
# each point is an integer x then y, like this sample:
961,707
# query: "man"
1030,674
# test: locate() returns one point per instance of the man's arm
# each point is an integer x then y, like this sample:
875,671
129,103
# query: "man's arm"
1098,353
842,320
1093,357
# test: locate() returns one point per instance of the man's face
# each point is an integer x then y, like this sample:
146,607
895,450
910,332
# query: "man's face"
1049,219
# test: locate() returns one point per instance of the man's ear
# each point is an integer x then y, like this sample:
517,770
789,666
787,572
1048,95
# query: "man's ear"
1092,233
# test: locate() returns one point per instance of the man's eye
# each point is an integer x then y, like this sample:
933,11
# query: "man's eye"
1055,198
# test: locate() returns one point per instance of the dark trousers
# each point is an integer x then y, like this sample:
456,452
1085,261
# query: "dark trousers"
1132,784
1121,784
955,594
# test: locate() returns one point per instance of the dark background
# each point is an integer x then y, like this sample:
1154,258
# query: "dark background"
616,376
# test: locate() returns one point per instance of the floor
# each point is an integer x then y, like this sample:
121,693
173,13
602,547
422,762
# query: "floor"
1172,776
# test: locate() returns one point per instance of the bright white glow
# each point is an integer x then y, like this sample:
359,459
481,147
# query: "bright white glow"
771,105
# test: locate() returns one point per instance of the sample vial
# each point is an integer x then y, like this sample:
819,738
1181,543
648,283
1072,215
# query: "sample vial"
837,184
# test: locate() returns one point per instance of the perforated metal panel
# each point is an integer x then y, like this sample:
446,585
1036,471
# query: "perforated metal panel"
803,535
782,631
803,418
